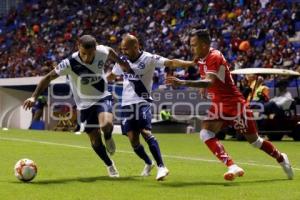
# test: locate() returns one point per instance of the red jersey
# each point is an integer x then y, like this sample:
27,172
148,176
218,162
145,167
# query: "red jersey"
223,91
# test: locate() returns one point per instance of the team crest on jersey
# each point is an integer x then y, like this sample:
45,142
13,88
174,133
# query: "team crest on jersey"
141,65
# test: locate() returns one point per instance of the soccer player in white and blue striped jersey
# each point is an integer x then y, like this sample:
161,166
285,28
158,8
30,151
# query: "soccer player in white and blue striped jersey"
85,71
136,100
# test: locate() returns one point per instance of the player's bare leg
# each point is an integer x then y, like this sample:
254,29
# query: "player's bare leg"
162,171
134,139
106,126
271,150
37,115
100,150
208,136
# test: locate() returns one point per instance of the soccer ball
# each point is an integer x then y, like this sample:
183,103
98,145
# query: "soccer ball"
25,170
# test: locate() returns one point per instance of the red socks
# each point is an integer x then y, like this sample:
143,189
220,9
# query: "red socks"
269,148
218,150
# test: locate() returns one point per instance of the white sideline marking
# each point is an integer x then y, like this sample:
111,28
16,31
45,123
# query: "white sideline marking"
129,152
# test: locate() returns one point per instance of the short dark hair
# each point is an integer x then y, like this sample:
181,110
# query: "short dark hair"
87,42
202,34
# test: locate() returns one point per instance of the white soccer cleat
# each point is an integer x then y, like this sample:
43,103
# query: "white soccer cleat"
110,146
162,172
112,171
286,166
147,169
233,171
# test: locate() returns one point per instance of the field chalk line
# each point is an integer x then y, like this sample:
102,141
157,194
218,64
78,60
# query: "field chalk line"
129,152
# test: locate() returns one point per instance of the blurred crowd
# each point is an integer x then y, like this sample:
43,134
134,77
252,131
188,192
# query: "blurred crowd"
261,33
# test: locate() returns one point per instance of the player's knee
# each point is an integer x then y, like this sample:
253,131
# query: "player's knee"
146,134
107,127
258,143
134,141
206,135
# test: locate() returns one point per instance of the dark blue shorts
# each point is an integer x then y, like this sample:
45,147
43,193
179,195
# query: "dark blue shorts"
136,117
90,115
34,110
36,107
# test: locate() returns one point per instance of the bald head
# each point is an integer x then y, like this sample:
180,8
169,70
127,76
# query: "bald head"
130,46
130,39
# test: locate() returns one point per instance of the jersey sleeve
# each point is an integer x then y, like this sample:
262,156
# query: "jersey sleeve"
117,70
214,64
103,49
158,61
63,68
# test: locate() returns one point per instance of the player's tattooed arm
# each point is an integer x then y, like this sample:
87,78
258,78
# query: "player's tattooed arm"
122,62
43,84
204,83
173,63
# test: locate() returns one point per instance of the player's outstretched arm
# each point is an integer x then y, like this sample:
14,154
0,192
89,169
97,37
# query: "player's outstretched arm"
43,84
204,83
173,63
122,62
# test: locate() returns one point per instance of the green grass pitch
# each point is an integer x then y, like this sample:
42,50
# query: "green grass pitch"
69,169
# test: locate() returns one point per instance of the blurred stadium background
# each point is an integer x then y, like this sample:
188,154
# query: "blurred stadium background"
36,35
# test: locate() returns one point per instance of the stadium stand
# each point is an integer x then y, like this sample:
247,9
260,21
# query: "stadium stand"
37,34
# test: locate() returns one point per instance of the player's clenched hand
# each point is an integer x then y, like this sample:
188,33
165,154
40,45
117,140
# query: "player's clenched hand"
171,80
28,103
124,64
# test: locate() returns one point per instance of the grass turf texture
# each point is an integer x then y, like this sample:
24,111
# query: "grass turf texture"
69,169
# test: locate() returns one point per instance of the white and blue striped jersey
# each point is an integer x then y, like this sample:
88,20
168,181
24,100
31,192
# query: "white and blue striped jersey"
87,81
137,84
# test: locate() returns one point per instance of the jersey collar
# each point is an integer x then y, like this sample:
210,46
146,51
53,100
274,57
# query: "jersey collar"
133,61
79,58
203,59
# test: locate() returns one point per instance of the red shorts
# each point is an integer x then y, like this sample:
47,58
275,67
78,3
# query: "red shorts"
243,122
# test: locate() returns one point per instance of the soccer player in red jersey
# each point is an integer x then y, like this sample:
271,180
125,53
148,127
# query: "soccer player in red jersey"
228,106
